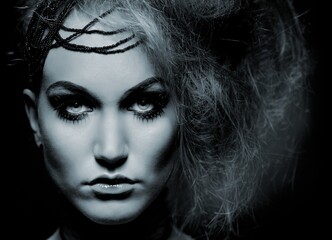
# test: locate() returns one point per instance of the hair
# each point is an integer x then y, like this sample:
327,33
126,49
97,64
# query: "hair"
237,71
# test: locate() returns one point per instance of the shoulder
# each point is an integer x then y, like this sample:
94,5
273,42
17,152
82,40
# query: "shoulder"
175,235
55,236
179,235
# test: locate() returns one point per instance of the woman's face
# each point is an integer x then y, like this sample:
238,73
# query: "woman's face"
107,126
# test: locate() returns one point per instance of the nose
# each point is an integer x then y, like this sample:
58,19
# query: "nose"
110,148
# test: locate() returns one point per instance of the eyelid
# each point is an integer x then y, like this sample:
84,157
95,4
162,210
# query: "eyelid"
156,96
62,102
84,106
59,99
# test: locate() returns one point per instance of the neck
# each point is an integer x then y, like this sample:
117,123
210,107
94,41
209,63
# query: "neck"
154,223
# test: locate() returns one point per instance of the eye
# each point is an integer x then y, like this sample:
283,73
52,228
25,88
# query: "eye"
71,107
73,110
148,105
77,108
142,105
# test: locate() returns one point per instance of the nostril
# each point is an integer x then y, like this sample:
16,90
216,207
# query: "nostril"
111,163
109,146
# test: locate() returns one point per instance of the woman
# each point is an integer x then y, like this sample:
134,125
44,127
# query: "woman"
159,119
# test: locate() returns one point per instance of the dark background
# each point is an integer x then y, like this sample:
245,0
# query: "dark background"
301,209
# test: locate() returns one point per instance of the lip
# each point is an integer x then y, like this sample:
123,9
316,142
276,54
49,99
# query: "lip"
112,185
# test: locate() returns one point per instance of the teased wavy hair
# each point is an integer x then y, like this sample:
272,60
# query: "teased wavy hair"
236,70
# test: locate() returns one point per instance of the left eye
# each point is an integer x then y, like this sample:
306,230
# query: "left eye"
146,105
143,105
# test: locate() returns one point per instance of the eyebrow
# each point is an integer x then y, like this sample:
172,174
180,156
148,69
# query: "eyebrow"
142,86
67,86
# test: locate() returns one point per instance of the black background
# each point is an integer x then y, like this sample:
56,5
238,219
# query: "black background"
300,210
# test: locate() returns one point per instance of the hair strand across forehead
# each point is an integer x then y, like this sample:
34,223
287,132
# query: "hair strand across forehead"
43,35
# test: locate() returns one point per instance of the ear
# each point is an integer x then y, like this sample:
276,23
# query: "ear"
30,101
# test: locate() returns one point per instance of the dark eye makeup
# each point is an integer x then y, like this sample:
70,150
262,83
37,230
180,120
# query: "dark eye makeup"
146,105
73,106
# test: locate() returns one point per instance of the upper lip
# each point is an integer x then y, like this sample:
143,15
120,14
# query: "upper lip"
112,180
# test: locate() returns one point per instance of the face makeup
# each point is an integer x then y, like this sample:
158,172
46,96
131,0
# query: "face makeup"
107,125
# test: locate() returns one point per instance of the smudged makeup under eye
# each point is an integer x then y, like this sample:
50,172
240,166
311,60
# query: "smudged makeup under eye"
146,105
74,104
71,107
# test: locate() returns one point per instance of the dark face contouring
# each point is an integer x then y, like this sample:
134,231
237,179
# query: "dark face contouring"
107,125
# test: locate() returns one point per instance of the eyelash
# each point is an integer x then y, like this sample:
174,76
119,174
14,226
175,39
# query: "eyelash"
156,100
62,103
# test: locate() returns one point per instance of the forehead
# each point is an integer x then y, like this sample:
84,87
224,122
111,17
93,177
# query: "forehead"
93,30
89,68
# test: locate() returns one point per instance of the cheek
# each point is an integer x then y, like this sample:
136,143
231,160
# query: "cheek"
61,151
151,144
65,150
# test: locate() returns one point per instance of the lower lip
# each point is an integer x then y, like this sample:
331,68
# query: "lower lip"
116,189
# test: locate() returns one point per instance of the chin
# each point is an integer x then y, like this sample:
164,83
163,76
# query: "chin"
112,212
116,219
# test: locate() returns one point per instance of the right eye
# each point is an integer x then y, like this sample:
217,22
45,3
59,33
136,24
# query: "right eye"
77,108
74,110
70,107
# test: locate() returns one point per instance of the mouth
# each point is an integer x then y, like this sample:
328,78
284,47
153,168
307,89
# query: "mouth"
116,186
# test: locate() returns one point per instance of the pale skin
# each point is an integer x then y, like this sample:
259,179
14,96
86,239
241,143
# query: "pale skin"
89,128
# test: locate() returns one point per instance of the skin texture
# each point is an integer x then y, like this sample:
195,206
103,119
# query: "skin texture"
106,140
